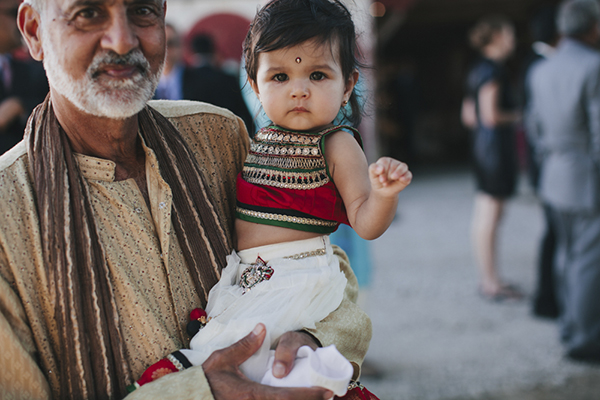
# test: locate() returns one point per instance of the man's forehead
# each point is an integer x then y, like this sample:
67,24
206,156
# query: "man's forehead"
65,4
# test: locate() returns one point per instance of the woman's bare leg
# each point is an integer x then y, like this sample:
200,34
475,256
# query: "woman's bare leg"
487,214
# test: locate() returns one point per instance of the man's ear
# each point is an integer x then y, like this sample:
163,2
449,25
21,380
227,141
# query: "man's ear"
29,21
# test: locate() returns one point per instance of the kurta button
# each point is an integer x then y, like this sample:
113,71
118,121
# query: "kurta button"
161,205
138,210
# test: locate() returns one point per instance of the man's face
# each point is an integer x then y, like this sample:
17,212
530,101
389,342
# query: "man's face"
10,38
104,56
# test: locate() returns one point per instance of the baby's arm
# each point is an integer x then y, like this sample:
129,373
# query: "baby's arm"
370,193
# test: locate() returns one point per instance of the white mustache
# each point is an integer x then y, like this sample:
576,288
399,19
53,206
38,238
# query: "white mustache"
135,58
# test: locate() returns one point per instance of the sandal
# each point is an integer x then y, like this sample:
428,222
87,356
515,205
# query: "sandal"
504,293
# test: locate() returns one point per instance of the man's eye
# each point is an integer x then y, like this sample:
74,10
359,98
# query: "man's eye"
142,11
88,13
317,76
280,77
144,15
89,18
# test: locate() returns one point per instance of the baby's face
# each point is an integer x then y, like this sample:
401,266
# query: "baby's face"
302,87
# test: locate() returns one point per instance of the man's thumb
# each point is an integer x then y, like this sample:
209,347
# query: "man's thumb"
243,349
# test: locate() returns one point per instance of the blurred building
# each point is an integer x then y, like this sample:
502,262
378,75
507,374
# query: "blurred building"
422,56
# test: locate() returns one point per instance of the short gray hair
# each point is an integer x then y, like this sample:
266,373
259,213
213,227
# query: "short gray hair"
578,17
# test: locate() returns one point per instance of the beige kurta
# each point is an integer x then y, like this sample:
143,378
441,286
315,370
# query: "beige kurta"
152,286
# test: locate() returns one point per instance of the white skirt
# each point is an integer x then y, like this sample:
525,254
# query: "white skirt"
306,285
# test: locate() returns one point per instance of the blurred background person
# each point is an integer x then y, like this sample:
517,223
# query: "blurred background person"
544,35
22,82
200,81
214,86
174,82
489,109
564,121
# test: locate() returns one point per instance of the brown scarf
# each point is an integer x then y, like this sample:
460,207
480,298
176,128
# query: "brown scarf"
92,363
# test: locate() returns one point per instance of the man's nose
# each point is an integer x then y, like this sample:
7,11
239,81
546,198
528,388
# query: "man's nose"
120,35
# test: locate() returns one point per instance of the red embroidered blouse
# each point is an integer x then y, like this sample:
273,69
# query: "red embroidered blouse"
285,181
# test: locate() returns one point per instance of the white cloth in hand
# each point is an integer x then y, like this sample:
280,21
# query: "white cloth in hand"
324,367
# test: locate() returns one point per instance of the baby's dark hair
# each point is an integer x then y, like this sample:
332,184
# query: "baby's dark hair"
285,23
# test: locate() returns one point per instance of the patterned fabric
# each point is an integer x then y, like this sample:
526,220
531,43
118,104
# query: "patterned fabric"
153,288
285,181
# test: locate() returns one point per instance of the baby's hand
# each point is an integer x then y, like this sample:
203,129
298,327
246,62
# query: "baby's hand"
389,176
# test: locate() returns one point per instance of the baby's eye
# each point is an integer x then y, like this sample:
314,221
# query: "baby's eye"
280,77
317,76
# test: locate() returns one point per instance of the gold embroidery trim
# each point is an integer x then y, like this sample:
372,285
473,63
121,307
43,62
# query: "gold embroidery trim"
268,135
286,218
285,162
306,254
291,150
285,179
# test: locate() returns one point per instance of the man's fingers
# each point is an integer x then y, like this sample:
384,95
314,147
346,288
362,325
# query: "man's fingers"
238,352
244,348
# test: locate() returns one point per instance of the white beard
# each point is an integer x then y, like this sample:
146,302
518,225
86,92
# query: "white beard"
112,98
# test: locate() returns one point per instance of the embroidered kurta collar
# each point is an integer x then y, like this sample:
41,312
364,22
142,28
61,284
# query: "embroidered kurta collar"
104,170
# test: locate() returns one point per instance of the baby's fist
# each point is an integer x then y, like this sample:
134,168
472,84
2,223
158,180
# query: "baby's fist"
390,173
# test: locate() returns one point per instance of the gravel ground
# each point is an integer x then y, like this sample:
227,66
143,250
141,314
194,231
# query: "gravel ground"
434,337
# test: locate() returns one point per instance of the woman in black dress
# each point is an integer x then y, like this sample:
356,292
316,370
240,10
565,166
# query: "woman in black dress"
490,111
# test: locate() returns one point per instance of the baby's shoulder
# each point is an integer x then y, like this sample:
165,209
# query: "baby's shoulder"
342,134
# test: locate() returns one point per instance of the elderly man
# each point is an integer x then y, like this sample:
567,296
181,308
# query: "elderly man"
564,118
116,220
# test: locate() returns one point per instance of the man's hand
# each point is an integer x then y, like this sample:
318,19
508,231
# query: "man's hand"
228,383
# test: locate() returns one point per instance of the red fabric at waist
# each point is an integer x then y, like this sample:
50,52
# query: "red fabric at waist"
323,202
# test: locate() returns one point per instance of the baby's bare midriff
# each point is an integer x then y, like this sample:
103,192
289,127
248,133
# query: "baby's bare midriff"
250,234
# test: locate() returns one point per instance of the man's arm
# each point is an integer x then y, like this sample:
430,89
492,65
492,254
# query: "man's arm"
593,111
20,375
531,121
